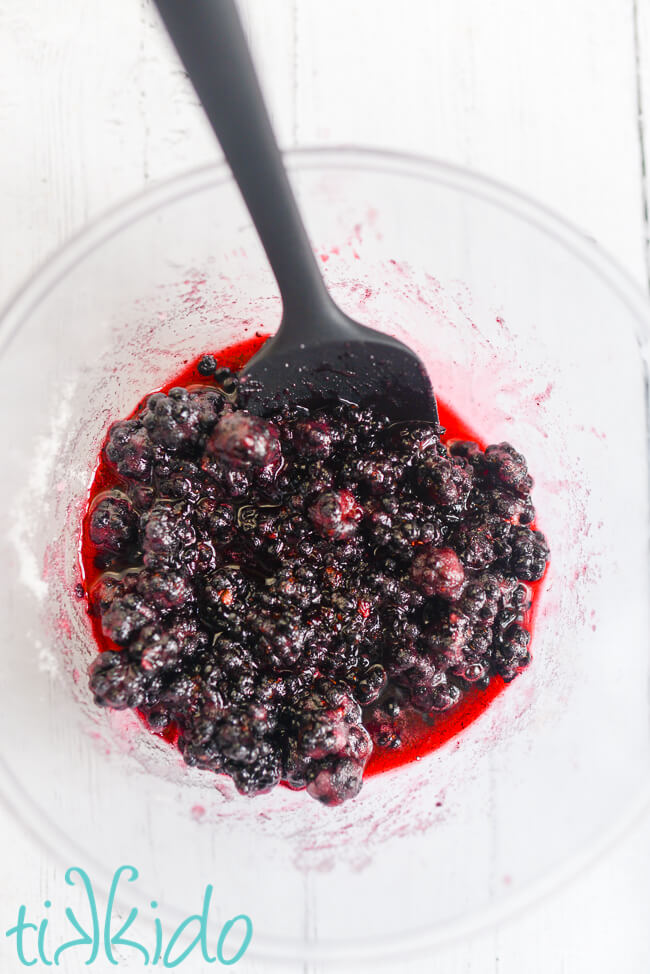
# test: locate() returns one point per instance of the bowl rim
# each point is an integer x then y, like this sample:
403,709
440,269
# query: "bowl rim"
46,833
108,222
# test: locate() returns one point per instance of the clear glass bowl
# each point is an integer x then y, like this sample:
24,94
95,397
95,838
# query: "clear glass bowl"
534,337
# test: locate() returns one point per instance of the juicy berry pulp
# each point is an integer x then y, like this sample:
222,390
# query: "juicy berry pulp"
284,599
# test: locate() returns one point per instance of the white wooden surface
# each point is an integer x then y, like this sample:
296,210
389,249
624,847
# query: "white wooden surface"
545,96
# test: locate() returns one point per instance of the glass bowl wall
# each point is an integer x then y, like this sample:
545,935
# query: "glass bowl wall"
533,337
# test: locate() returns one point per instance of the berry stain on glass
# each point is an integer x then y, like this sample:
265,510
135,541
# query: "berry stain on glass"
307,598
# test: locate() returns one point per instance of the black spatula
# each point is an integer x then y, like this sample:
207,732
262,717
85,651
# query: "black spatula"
318,353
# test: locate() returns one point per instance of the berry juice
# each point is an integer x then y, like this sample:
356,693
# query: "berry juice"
312,600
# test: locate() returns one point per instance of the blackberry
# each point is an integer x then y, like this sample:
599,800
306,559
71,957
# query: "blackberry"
336,514
124,617
328,746
165,530
379,526
505,467
413,441
158,647
446,637
218,520
421,681
475,545
115,682
260,775
129,451
207,365
482,597
105,589
370,684
443,481
337,782
530,554
244,441
438,571
223,592
154,648
378,474
201,754
502,505
445,696
312,438
468,450
404,534
158,718
181,480
178,421
295,584
279,640
164,590
113,524
382,720
521,599
512,652
308,479
480,643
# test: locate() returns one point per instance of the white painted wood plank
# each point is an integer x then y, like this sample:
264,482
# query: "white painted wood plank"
94,105
540,95
641,14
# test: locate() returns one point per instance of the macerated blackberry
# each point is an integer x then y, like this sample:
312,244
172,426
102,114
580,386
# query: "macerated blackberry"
370,684
129,450
257,776
335,514
125,617
475,545
164,590
405,533
180,479
160,646
312,438
327,746
443,481
421,682
222,591
279,640
512,652
113,524
447,636
180,420
413,441
207,365
505,467
240,440
115,682
295,584
529,554
378,473
438,571
165,529
109,587
288,592
336,782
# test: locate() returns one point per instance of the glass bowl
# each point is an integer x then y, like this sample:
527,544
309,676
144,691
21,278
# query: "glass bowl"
534,337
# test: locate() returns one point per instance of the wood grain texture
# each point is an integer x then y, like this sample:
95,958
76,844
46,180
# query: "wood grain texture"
93,106
539,95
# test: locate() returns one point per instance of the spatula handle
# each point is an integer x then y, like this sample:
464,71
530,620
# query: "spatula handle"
210,40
